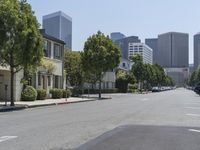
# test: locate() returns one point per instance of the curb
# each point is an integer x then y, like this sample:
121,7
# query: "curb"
41,105
81,101
16,108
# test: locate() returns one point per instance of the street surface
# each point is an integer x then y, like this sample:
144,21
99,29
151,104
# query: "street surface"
169,119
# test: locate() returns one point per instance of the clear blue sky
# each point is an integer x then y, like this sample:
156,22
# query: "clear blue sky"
144,18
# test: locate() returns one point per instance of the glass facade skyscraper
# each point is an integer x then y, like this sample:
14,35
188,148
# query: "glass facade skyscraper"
59,25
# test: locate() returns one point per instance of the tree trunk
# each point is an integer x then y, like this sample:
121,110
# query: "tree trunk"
99,89
12,87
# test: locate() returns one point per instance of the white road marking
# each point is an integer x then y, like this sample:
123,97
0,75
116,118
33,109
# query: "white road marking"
192,107
144,99
192,103
193,115
193,130
6,138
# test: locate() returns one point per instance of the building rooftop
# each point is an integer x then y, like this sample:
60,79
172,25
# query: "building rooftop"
58,13
172,32
45,35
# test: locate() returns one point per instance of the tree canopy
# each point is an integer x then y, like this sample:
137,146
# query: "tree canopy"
73,68
21,45
99,56
152,75
195,77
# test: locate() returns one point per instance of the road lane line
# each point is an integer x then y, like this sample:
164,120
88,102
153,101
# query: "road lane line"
192,103
192,107
193,115
193,130
6,138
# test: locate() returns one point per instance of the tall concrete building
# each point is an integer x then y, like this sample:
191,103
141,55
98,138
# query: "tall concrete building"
173,49
173,55
153,44
59,25
196,50
117,36
124,44
143,50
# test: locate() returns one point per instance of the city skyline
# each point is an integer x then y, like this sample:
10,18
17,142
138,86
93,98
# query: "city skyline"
131,21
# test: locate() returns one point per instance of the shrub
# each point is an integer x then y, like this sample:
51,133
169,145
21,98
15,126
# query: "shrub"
132,88
122,85
109,91
41,94
96,91
76,92
56,93
29,94
67,93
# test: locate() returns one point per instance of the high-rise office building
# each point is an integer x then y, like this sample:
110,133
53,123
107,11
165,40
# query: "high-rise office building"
196,50
143,50
124,44
173,50
153,44
59,25
117,36
173,55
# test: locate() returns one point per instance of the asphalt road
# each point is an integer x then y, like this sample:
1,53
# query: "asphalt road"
170,118
137,137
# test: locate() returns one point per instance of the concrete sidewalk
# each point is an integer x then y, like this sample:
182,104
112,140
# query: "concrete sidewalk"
40,103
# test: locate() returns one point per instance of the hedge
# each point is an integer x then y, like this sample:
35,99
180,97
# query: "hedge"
56,93
78,92
41,94
29,94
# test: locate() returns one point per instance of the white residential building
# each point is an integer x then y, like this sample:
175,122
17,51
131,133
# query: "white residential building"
143,50
53,55
43,78
125,65
108,81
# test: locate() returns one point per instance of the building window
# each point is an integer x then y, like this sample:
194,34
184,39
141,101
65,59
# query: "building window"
49,80
57,51
1,79
104,87
107,85
47,49
39,79
124,64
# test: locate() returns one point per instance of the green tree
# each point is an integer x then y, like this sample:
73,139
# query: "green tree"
197,76
192,80
168,81
99,56
138,69
122,80
149,75
159,75
73,68
20,39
